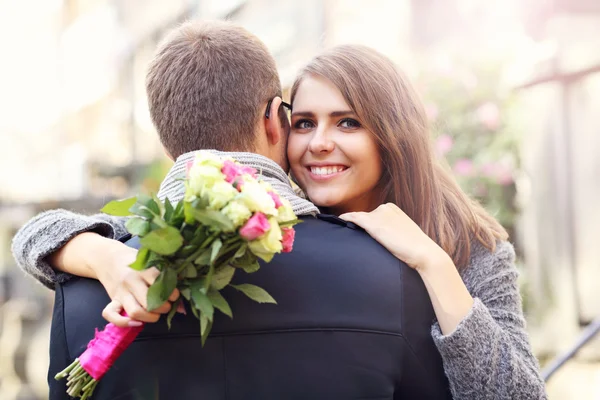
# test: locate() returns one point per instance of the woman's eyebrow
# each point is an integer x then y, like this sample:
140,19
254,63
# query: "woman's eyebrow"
333,114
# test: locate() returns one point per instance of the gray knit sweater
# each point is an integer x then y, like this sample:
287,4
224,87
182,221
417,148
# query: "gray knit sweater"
488,356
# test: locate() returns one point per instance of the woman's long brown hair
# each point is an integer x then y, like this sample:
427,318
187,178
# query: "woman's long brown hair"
413,178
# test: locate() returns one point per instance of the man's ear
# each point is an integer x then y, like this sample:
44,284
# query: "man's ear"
273,125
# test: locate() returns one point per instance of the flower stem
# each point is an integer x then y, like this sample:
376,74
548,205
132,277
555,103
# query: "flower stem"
79,382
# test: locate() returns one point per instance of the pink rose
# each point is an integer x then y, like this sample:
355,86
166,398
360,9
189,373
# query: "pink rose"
232,170
288,239
255,227
248,170
276,199
188,166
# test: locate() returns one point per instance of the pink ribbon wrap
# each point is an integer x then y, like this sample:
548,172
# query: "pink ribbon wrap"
106,347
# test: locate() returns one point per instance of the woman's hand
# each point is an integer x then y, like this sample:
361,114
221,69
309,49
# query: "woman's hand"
127,287
391,227
93,256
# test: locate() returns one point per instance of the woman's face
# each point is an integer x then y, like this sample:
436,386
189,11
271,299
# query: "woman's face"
334,159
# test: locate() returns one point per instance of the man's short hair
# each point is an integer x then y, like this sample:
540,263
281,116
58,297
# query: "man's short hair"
207,85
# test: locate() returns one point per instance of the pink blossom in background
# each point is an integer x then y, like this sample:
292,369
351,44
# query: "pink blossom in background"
276,199
443,144
255,227
488,115
432,111
288,239
500,172
504,176
464,167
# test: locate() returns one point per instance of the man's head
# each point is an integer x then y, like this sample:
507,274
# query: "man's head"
208,88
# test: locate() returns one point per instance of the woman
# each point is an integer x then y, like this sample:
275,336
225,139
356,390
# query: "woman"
360,148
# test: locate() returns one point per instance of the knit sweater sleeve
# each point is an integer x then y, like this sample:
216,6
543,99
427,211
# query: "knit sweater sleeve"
49,231
488,356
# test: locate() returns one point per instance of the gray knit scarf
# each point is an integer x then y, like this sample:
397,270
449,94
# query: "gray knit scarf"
269,170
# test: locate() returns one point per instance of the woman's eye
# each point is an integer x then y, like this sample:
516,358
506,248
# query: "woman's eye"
349,123
303,124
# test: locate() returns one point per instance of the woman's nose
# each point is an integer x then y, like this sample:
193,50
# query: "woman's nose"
321,143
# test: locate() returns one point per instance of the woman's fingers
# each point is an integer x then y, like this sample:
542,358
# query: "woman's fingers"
135,311
112,313
174,295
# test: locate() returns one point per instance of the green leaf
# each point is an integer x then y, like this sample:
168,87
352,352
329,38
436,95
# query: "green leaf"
195,312
142,211
257,294
222,277
241,251
186,293
140,260
202,302
169,211
173,311
161,289
188,212
119,208
160,204
137,226
190,272
216,246
250,268
199,236
177,218
149,202
155,260
165,241
214,219
219,302
204,258
288,224
205,327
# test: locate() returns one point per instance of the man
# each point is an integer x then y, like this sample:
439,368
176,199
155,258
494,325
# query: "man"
351,320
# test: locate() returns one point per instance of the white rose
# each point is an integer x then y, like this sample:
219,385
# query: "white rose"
237,212
203,177
285,212
255,197
220,194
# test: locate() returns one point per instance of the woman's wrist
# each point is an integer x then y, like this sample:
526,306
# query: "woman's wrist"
105,254
433,259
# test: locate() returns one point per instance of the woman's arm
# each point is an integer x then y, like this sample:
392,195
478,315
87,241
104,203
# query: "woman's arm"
41,237
488,355
57,245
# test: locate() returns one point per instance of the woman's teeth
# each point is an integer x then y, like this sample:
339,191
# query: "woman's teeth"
327,170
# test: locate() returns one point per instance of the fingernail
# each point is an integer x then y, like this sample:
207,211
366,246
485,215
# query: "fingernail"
181,309
134,324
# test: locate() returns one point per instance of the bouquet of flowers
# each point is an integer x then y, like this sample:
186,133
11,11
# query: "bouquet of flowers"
228,219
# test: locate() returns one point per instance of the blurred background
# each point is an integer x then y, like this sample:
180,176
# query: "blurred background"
510,88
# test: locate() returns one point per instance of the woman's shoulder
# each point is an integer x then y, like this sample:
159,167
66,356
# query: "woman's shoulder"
488,267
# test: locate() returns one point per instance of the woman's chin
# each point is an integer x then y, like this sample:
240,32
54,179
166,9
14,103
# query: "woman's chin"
325,201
